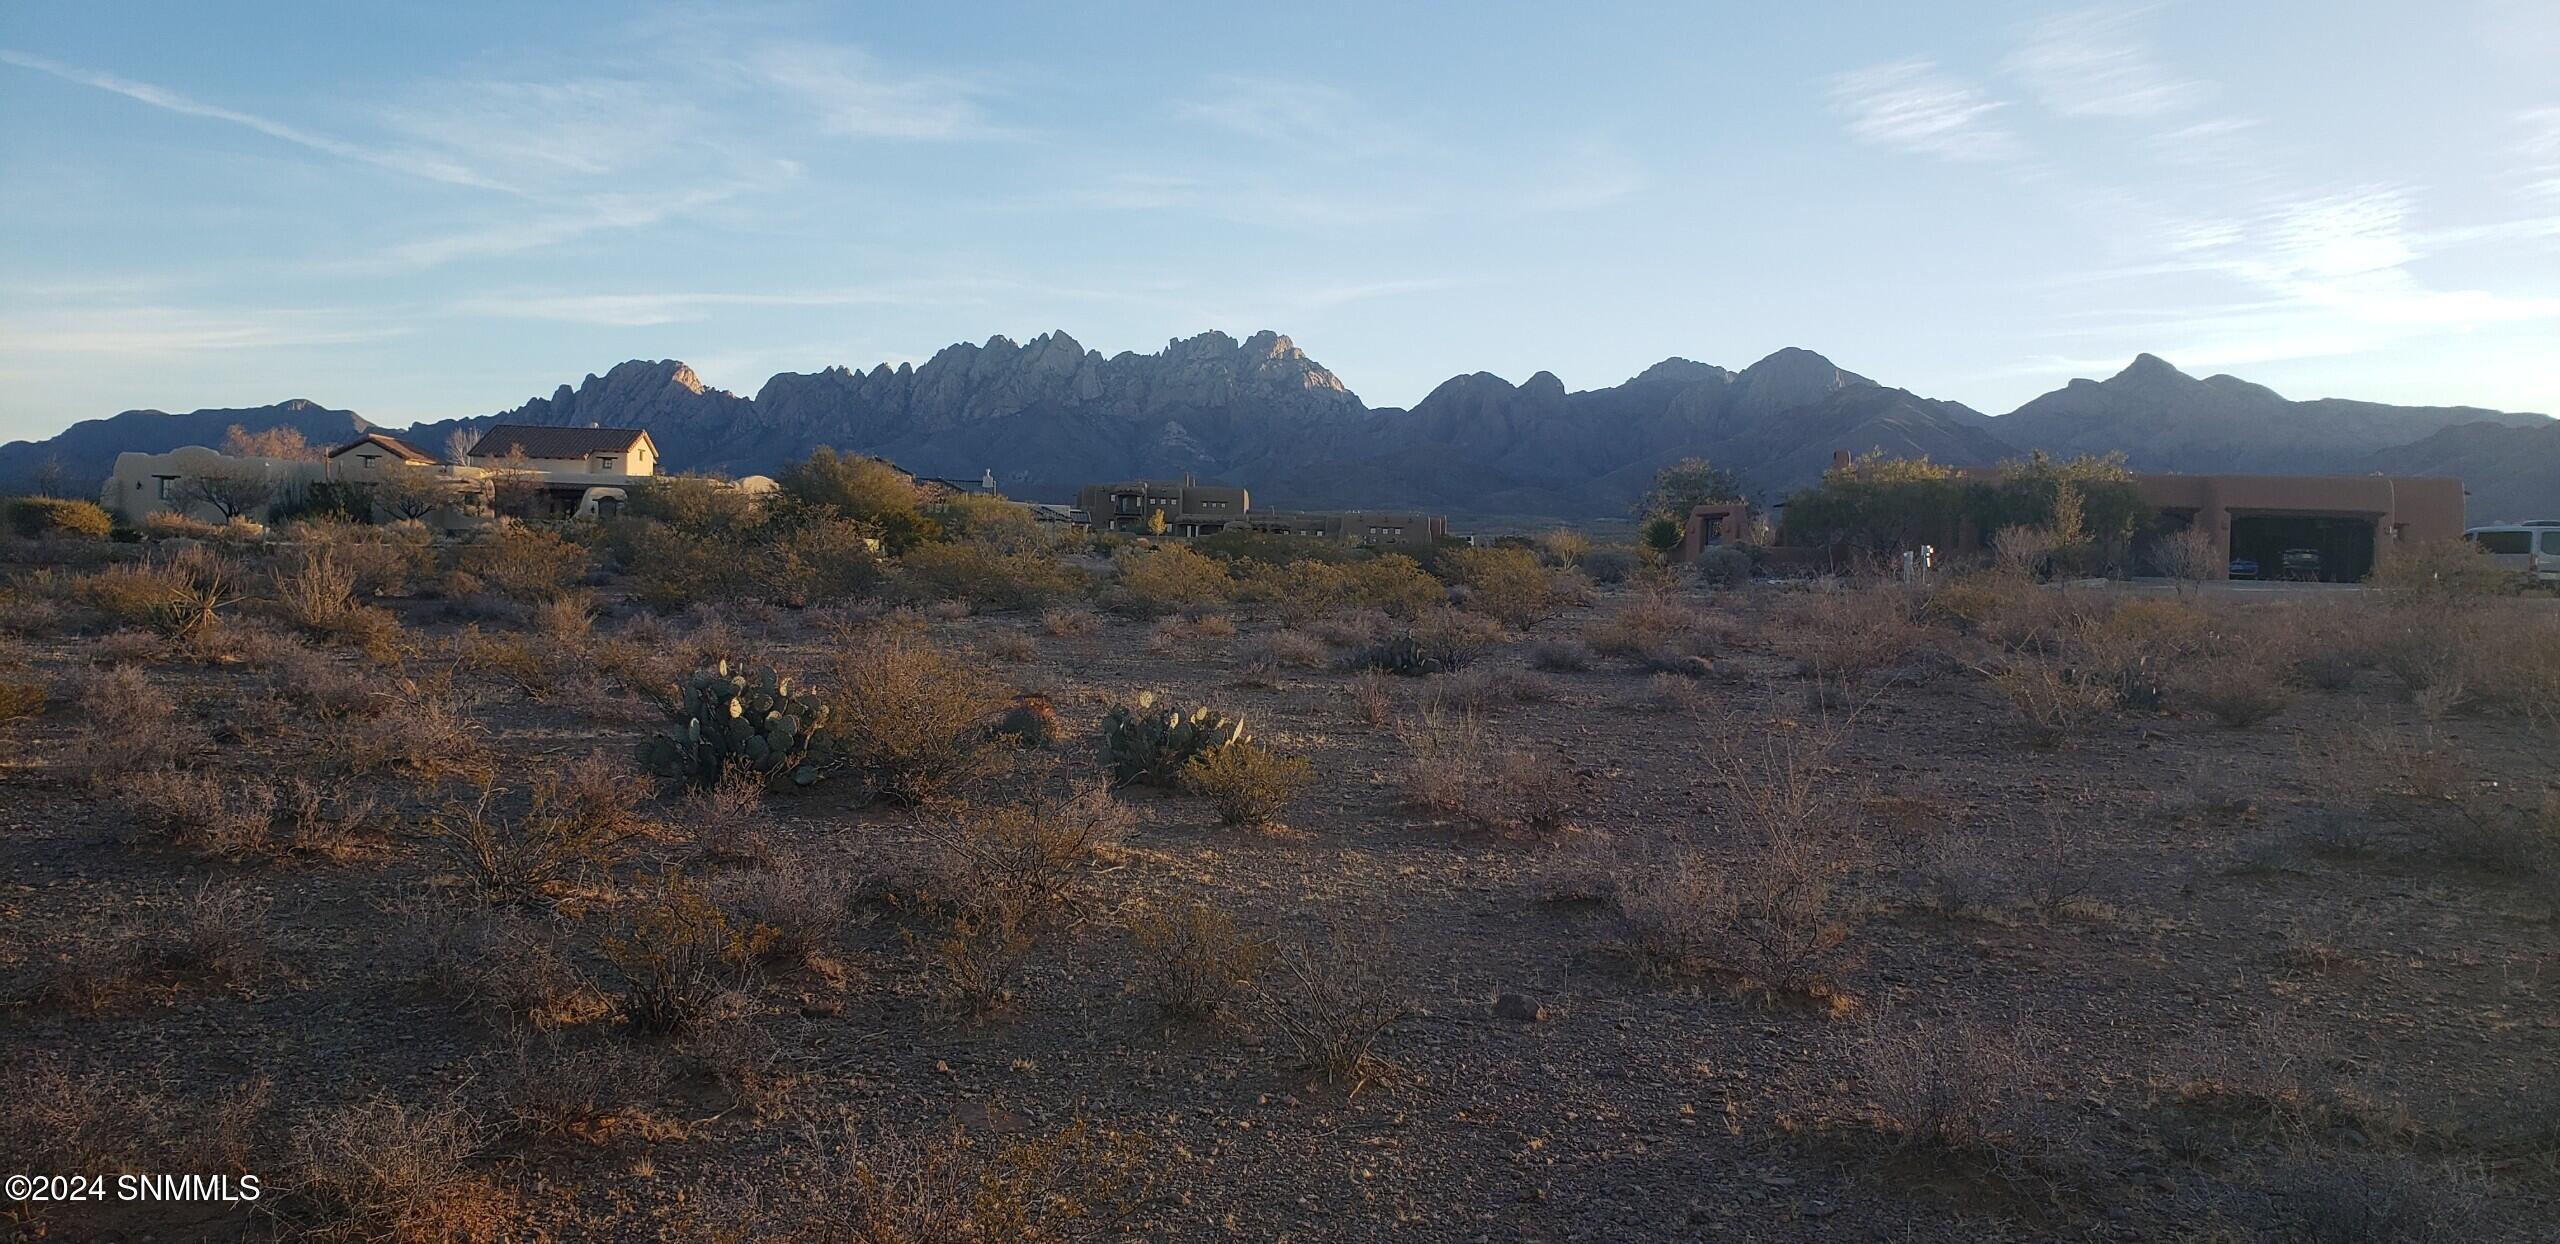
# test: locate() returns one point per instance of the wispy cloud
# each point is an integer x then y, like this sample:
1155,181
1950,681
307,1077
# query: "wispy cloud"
551,227
855,96
1289,112
648,309
144,332
407,162
548,132
1910,106
2094,63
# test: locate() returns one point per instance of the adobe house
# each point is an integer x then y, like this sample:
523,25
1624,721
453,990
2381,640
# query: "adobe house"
2350,520
1192,509
582,471
1189,509
1727,522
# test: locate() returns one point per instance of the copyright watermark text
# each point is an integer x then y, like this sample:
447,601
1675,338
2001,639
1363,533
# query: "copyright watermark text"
33,1189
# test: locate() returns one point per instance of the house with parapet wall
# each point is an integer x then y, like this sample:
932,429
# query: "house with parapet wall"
2345,522
570,472
1192,509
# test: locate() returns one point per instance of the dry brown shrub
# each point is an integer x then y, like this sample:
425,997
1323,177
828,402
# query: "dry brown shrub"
1013,645
804,905
1655,629
2239,690
325,688
419,732
682,963
559,1088
1373,697
1849,636
179,596
1068,620
130,725
509,964
1561,656
1265,655
912,718
724,823
218,930
579,822
384,1171
200,810
1248,783
1457,770
1487,687
1776,912
1351,628
1970,1092
1198,962
1326,1002
522,563
1506,584
1673,693
1008,871
2050,698
22,699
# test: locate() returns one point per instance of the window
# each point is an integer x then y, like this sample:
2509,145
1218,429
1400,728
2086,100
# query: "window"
2551,542
2503,541
165,482
1125,504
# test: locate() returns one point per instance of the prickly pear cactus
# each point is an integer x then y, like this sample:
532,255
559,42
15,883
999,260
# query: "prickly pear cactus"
1145,744
737,720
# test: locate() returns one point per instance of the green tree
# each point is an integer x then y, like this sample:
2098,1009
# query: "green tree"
1684,486
1664,534
866,490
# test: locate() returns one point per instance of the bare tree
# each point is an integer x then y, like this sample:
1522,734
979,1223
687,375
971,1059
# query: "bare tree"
457,446
51,478
276,442
411,492
228,495
2190,558
514,486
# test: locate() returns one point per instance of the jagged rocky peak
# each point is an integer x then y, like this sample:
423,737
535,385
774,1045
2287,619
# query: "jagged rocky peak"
1677,370
1794,377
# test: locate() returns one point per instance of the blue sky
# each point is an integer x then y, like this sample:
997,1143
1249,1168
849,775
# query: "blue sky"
423,210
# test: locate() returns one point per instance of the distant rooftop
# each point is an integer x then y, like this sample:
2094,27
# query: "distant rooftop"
547,442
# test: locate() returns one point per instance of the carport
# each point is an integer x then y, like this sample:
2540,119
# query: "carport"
2345,542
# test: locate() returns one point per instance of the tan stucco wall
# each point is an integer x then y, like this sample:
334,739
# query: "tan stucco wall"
2404,509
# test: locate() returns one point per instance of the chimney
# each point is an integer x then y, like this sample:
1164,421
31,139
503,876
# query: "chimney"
1839,460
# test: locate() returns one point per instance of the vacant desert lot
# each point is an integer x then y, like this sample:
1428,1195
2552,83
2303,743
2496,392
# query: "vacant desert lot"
1781,912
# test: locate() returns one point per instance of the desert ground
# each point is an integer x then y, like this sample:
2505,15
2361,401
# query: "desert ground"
1656,910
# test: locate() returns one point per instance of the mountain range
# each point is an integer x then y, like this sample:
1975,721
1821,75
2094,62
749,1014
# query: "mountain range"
1048,415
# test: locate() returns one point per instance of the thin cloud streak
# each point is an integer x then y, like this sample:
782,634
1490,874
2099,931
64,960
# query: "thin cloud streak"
1910,106
412,164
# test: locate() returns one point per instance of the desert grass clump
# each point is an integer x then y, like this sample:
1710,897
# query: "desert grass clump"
2238,691
178,597
912,718
1011,644
1197,962
804,905
1065,621
1265,655
1327,1002
1968,1092
1248,783
557,1088
1456,770
1561,656
218,930
201,811
383,1170
1655,630
2050,699
1773,911
22,699
129,724
1487,687
1077,1182
420,732
680,962
1854,635
578,824
1373,697
1673,693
